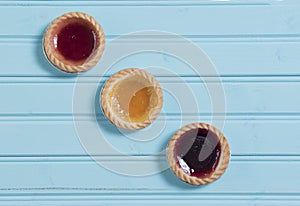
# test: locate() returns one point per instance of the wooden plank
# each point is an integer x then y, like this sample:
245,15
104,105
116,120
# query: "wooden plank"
152,202
59,138
144,3
253,177
264,20
275,58
180,96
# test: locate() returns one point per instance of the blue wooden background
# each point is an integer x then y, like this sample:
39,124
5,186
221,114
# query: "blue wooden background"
255,47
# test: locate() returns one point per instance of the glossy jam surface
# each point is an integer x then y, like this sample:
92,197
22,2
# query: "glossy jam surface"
139,103
198,152
132,100
75,41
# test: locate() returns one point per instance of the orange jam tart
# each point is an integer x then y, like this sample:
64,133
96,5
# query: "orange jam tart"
74,42
131,99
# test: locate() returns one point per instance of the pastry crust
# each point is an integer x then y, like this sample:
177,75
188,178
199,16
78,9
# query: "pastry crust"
117,79
57,59
222,164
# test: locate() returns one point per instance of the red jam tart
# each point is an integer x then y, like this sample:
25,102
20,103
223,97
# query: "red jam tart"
131,99
198,153
74,42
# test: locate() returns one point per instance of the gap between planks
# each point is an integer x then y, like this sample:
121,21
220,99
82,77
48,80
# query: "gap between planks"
239,38
66,117
283,158
161,78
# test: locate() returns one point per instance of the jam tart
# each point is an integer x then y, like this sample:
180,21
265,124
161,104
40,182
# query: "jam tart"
131,99
198,153
74,42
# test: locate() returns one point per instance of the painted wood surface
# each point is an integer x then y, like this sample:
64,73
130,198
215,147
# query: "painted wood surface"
254,46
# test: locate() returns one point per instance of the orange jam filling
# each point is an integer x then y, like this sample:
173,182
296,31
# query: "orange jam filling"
140,103
133,99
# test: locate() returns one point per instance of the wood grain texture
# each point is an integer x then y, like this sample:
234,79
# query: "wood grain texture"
254,97
232,57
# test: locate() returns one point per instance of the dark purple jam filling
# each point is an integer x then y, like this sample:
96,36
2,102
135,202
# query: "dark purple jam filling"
198,152
75,41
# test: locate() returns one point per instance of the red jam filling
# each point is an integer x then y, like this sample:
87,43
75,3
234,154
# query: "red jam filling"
75,41
197,152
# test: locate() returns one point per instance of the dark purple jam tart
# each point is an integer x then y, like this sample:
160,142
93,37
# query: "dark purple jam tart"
198,153
74,42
